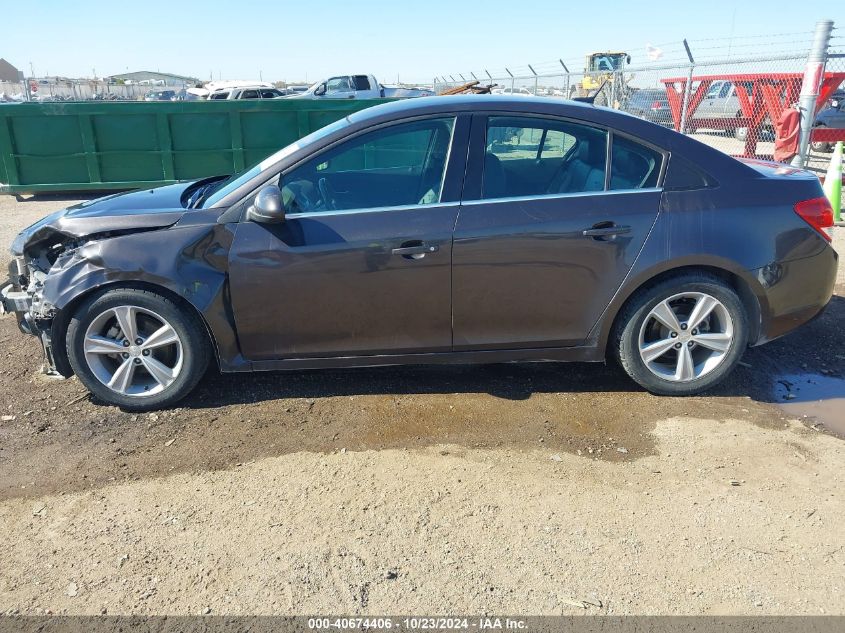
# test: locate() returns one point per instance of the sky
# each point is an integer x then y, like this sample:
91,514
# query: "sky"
405,39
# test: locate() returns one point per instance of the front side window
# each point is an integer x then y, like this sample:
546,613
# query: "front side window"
338,84
527,156
715,89
399,165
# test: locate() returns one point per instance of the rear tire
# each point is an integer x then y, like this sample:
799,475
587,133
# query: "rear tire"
821,146
136,349
665,347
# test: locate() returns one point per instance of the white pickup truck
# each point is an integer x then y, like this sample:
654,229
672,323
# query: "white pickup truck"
358,87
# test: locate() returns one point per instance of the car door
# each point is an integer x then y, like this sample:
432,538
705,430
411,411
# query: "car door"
728,101
836,115
709,107
538,255
362,274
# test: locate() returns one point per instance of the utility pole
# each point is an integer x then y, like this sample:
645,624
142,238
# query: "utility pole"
813,75
687,88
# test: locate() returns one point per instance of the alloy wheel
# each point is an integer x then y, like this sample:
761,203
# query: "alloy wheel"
133,351
686,336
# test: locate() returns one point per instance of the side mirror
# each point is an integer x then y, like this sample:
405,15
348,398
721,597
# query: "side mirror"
267,207
320,90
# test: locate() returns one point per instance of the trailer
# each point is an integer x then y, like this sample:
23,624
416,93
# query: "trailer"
760,96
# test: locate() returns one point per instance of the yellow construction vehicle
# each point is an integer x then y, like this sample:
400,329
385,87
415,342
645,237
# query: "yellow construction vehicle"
603,71
600,67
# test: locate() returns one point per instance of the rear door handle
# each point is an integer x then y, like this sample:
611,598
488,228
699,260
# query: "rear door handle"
605,231
415,251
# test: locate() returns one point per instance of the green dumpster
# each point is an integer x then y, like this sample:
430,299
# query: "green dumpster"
52,147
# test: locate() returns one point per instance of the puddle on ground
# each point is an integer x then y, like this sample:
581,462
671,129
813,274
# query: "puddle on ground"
814,396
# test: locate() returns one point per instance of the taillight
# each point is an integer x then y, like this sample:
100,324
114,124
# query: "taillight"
817,213
656,105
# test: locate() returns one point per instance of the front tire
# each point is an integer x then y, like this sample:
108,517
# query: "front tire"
136,349
681,336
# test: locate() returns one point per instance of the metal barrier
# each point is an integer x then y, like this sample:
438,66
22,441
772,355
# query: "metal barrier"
125,145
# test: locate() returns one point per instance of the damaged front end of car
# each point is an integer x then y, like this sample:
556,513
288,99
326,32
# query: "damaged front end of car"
23,296
50,246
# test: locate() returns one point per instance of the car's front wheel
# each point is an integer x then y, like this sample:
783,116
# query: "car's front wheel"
682,335
136,349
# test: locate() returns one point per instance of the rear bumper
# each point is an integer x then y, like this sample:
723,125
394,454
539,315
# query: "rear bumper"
795,292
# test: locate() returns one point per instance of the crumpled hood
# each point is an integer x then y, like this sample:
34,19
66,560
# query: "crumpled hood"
145,209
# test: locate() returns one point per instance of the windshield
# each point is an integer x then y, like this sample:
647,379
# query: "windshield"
224,188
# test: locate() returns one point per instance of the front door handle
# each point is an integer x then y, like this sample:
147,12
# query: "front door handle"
415,250
605,231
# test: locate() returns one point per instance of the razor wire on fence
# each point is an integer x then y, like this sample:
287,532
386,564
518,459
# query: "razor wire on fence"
718,91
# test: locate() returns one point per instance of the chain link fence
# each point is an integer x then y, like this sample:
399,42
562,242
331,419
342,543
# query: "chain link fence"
726,95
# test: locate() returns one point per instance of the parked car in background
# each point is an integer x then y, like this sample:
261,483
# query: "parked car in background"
722,102
160,95
514,92
831,116
358,87
245,92
191,94
651,105
401,234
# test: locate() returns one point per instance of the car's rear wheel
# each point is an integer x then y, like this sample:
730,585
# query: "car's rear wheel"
136,349
682,335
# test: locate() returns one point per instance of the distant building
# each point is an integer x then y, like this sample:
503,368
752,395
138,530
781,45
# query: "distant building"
9,72
146,77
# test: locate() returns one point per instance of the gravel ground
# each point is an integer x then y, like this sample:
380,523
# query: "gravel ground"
539,489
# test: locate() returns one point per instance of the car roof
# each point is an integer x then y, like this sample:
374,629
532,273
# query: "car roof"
465,103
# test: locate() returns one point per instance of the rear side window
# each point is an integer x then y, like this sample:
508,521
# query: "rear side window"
249,94
682,175
532,156
360,82
632,165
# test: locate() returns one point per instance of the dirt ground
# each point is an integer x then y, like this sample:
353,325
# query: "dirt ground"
531,489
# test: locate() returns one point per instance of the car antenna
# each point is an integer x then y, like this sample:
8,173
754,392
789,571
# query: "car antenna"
592,98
